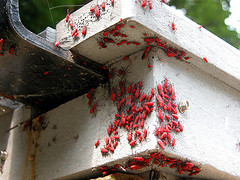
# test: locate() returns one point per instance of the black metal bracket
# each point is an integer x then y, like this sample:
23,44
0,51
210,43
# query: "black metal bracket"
36,72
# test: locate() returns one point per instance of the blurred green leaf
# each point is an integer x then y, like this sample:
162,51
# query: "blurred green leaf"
211,14
36,15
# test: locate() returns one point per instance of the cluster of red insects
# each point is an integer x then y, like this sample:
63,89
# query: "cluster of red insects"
133,107
115,36
157,159
10,51
167,114
144,3
157,42
93,10
109,36
75,33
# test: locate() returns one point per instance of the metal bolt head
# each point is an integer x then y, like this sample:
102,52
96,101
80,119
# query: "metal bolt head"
183,106
4,155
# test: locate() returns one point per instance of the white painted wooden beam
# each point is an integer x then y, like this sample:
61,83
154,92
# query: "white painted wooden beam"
223,59
194,81
19,146
210,138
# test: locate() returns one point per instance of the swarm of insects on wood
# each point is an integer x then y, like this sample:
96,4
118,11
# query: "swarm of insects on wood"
154,159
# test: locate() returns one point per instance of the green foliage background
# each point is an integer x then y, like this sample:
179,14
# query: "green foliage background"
211,15
36,16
